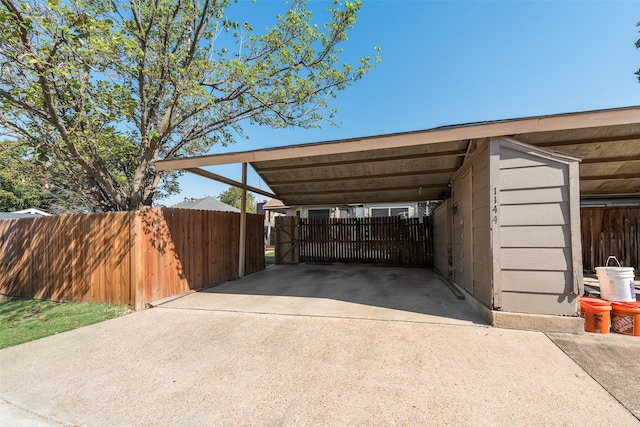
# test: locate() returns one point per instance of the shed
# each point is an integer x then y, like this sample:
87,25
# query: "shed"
515,229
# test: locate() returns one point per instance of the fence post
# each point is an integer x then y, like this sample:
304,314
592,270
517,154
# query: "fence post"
243,223
136,282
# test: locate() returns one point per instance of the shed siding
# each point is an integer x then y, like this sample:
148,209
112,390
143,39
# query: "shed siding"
442,237
482,289
473,208
549,236
462,261
535,239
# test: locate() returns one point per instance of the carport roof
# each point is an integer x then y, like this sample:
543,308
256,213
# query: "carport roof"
418,165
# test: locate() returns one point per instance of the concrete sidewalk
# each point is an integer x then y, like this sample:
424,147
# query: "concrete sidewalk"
613,360
207,366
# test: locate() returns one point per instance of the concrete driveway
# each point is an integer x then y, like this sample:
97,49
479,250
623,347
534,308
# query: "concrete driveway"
345,291
259,360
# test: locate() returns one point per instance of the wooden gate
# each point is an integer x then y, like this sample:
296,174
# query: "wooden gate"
287,242
385,240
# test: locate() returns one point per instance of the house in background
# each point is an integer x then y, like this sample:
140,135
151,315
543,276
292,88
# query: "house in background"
205,204
404,210
270,210
24,213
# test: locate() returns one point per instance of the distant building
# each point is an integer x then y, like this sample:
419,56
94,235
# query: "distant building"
270,210
403,210
24,213
205,204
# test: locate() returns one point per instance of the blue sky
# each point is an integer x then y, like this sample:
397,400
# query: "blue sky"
451,62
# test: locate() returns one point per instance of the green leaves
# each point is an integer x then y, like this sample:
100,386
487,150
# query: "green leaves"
638,47
233,197
106,88
19,188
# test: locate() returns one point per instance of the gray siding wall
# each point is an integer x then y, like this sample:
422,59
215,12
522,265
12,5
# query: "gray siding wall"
442,238
471,226
536,264
461,196
482,260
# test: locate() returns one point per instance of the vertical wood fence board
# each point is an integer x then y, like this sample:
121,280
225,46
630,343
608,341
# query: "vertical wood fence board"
385,240
125,257
610,231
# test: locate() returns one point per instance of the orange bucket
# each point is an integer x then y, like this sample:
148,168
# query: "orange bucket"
625,318
596,313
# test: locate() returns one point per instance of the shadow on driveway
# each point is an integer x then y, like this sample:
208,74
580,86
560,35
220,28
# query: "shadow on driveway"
612,360
364,292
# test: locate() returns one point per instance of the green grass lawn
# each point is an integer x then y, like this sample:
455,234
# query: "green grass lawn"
269,258
23,320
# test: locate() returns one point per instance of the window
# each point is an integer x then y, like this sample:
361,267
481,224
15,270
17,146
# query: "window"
399,212
318,213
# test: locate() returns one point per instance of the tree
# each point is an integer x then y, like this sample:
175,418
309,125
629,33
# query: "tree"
29,180
103,89
18,187
638,47
233,197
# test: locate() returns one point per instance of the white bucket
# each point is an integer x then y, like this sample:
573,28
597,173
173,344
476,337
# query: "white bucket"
616,283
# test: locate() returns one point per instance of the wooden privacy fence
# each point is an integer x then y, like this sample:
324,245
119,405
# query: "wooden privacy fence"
383,240
610,231
129,258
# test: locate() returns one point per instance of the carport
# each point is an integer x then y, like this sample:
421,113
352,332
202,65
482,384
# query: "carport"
427,165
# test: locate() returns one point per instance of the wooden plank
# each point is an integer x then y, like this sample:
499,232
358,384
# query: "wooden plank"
534,177
535,214
243,222
514,159
287,244
552,236
550,282
610,231
540,303
535,195
495,203
482,289
534,259
574,228
442,238
136,281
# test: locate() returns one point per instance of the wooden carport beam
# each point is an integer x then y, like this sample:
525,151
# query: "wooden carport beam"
240,185
540,124
611,159
588,141
361,177
416,187
472,146
243,223
319,165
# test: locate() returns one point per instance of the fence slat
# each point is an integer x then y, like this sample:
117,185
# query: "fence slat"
610,231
